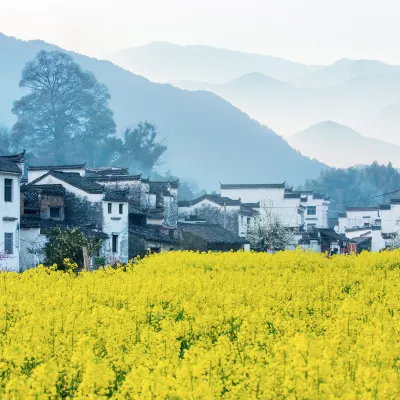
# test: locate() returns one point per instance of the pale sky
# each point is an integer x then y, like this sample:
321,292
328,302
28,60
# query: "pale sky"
308,31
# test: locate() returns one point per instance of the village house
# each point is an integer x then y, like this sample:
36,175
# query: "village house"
231,214
371,228
11,171
64,198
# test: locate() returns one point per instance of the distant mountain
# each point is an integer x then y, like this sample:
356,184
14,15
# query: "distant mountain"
342,71
340,146
165,62
286,108
208,139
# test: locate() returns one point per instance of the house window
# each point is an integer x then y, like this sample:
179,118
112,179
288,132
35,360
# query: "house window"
311,210
8,243
121,208
248,221
8,190
311,227
54,212
366,224
109,208
114,243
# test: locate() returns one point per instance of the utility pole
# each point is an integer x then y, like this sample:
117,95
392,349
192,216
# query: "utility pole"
224,215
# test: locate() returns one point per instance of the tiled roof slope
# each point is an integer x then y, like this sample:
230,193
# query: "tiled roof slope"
9,164
253,185
212,233
213,198
74,179
55,167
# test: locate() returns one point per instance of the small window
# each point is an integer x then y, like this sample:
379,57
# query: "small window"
121,208
54,212
115,243
248,221
366,224
8,243
8,190
311,210
109,208
311,227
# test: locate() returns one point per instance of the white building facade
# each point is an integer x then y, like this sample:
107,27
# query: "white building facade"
11,170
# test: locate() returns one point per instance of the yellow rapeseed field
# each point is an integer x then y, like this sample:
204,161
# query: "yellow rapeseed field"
205,326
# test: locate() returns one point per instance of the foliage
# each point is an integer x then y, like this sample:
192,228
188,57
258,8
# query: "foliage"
205,326
65,115
269,233
5,141
141,149
356,183
64,247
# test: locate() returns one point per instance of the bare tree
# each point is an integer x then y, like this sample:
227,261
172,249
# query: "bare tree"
269,233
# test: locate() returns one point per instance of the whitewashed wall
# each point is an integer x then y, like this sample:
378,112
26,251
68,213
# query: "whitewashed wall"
32,245
32,175
118,224
11,210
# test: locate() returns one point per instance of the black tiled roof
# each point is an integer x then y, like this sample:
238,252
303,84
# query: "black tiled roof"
113,178
330,233
251,205
212,234
217,199
32,221
106,171
9,164
75,179
156,233
362,208
157,213
55,167
394,201
247,211
116,195
385,207
342,215
318,196
294,195
253,185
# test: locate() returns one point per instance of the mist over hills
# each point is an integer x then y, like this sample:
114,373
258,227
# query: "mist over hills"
208,139
360,101
164,62
339,145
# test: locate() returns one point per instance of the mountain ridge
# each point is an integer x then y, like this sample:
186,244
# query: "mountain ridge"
208,139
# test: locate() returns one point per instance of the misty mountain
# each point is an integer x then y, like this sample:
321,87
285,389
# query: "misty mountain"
286,108
339,145
342,71
165,62
208,139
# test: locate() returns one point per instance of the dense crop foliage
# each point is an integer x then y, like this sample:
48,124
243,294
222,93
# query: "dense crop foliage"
202,326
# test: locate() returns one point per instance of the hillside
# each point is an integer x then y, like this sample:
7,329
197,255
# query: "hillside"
287,108
202,63
343,70
338,145
208,139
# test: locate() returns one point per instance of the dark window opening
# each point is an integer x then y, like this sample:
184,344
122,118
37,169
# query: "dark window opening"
114,243
8,243
311,210
155,250
8,190
55,212
121,208
109,208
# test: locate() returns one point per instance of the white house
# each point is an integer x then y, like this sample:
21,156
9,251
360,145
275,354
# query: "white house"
232,214
273,197
11,170
87,205
317,209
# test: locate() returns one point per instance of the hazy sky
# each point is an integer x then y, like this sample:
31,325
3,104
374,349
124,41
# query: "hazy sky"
309,31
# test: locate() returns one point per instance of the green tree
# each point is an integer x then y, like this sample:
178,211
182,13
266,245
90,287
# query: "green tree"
65,115
142,151
67,244
5,141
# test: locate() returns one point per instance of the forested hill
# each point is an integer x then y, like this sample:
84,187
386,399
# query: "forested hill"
350,186
208,139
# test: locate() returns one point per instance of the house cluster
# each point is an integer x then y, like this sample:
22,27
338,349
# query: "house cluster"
370,228
129,214
133,216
